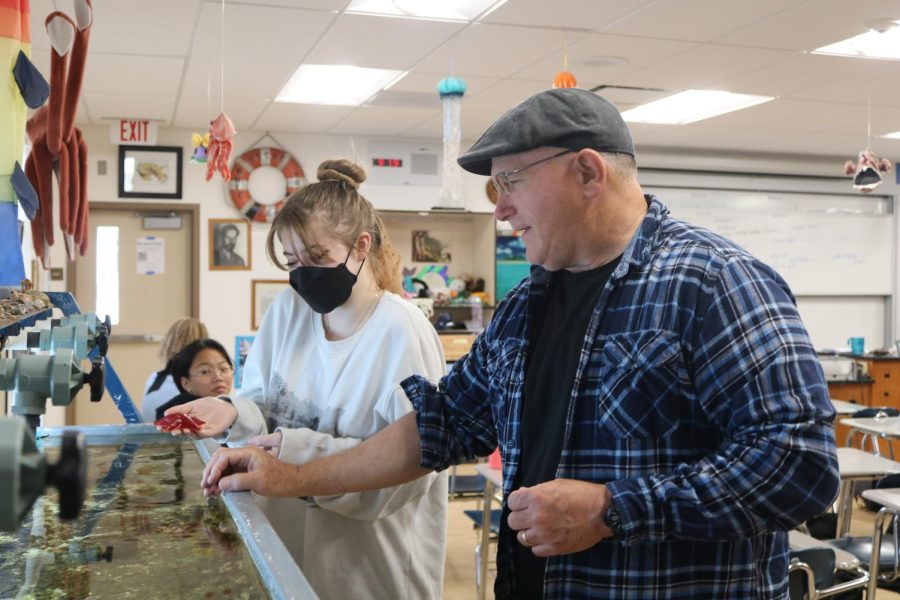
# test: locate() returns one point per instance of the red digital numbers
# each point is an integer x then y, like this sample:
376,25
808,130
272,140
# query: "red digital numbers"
387,162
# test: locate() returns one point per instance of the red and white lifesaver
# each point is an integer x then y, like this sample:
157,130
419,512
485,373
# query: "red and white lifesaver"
239,190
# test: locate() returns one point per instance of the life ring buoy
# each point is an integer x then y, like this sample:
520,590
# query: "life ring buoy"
246,163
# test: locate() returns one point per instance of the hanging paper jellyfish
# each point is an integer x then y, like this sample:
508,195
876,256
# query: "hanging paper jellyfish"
451,90
564,79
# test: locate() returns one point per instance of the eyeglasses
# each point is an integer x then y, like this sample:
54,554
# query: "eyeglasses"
207,372
502,182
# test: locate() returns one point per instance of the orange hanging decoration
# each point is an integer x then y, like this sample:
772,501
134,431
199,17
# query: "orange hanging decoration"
564,79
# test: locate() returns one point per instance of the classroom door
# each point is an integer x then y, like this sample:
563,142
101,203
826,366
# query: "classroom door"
147,303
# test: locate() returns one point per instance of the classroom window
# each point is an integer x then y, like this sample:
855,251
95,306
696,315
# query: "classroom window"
108,273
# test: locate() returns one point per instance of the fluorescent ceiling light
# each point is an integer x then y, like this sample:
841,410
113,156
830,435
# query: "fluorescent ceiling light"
692,105
883,44
442,10
892,136
336,85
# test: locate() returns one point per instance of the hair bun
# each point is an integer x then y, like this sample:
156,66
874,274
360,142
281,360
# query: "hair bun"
341,170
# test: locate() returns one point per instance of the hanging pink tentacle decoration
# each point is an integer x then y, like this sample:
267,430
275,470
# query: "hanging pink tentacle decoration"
220,147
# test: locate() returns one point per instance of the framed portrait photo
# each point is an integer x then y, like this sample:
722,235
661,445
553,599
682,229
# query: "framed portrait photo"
262,292
150,172
229,245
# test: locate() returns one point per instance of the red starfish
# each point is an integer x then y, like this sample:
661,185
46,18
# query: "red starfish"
179,421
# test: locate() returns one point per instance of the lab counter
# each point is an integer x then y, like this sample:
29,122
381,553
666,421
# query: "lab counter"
146,530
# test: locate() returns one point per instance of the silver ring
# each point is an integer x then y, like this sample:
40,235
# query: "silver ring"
525,541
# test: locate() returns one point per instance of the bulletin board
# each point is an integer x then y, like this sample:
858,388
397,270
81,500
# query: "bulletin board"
821,244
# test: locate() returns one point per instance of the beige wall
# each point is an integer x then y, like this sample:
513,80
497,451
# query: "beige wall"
225,295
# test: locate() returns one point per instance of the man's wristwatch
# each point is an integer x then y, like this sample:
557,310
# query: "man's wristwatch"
613,520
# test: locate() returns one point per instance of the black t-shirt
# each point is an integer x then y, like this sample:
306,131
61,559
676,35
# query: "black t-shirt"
182,398
557,340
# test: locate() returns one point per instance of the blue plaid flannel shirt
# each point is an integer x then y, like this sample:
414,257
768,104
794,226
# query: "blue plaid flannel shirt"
698,400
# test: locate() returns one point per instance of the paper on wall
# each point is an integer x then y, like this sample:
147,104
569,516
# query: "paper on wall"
151,255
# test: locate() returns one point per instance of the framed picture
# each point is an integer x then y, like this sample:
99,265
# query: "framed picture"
242,344
150,172
229,245
432,246
262,292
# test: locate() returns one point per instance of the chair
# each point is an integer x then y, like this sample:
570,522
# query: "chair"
465,486
818,570
874,549
477,517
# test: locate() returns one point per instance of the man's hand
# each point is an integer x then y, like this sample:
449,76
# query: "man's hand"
217,416
560,516
235,469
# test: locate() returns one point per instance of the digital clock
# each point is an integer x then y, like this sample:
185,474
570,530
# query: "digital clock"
387,162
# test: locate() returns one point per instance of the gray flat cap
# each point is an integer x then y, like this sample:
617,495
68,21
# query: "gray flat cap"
567,118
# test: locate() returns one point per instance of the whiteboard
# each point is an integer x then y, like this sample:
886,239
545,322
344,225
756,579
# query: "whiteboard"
820,244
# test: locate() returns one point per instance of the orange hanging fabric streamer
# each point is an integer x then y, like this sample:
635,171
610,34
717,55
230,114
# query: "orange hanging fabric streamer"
57,145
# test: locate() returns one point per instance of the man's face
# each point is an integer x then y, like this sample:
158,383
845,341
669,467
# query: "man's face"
229,238
541,204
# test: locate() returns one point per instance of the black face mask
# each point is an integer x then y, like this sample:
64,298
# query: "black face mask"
324,288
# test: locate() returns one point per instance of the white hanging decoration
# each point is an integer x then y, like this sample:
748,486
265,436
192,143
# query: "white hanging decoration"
451,90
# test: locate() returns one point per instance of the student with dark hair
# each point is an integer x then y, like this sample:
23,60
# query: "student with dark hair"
202,368
160,386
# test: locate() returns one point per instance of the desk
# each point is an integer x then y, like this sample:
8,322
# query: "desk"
856,465
842,407
493,480
887,428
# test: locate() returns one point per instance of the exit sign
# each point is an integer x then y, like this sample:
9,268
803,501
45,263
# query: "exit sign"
140,132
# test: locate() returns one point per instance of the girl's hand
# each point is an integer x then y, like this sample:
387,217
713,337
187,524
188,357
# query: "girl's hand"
217,416
271,443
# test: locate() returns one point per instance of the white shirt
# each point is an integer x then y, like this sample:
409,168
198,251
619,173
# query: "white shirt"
157,397
326,396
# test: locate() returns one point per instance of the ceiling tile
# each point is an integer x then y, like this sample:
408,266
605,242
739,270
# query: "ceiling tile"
333,5
564,14
811,25
301,118
694,20
203,79
796,74
160,27
132,74
601,58
882,84
259,34
380,42
39,11
702,67
494,50
104,106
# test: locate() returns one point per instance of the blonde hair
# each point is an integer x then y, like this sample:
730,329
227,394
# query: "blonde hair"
334,206
180,334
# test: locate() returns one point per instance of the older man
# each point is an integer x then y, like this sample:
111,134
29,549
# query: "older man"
660,410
